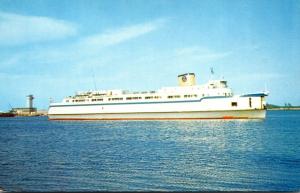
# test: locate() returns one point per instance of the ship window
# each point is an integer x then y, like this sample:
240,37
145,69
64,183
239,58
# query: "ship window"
174,96
234,104
133,98
79,100
117,99
189,96
97,99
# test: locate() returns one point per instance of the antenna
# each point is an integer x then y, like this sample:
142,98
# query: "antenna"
266,88
211,72
10,106
94,82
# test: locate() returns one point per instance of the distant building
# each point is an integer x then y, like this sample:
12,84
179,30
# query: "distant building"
26,111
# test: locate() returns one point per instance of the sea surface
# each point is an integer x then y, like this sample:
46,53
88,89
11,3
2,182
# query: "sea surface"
228,155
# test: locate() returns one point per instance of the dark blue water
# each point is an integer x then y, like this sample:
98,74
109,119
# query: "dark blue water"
41,155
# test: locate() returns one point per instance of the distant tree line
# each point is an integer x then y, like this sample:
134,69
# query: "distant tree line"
286,105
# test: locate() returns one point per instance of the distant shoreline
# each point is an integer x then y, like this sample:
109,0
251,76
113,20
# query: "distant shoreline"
284,109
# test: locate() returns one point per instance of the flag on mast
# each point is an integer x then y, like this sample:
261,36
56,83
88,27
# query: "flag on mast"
211,70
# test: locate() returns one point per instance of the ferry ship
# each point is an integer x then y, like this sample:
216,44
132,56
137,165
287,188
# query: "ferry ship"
213,100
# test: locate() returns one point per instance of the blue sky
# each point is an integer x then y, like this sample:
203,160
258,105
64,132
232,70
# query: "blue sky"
53,48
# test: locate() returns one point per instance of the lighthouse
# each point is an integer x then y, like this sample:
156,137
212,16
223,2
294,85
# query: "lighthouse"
30,101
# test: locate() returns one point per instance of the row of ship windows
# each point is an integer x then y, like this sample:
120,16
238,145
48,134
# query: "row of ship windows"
138,98
133,98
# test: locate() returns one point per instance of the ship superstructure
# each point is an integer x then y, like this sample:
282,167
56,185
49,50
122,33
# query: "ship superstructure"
213,100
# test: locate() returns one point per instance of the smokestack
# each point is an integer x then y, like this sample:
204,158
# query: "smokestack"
187,79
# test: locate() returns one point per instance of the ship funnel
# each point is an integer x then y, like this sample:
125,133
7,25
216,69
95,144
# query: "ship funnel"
187,79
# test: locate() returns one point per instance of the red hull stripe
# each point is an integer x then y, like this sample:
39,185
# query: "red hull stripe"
115,119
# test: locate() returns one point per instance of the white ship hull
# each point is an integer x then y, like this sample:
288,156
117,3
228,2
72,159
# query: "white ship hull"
233,114
203,108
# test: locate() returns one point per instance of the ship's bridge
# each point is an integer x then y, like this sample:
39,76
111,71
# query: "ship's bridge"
217,88
217,84
187,85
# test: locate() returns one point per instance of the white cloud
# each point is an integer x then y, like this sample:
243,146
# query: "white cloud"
116,36
259,76
19,29
193,57
200,54
80,54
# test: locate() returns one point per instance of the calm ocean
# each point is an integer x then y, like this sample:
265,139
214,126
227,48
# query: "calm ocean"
236,155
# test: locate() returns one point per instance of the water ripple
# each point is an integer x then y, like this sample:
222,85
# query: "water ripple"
41,155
